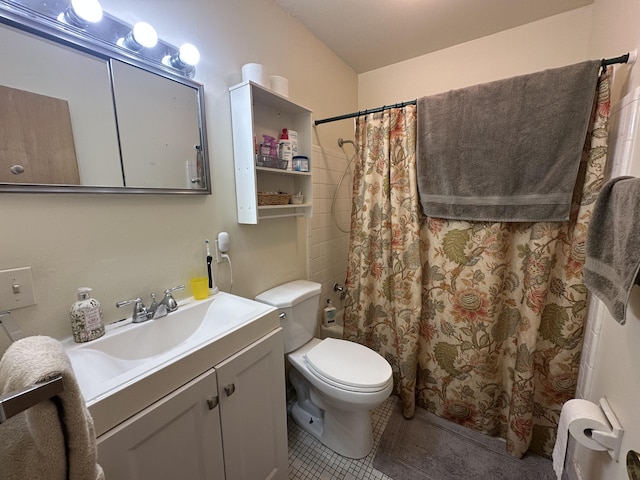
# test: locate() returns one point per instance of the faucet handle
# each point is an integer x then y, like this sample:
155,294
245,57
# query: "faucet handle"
173,289
168,300
140,312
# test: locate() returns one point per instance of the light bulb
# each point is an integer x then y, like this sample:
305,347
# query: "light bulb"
81,13
142,35
145,34
184,60
189,55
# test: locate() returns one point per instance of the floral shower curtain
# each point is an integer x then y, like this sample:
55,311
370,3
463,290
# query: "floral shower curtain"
496,343
384,271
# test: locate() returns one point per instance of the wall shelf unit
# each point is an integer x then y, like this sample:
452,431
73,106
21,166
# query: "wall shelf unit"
257,111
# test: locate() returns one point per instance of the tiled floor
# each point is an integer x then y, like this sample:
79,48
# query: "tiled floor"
309,459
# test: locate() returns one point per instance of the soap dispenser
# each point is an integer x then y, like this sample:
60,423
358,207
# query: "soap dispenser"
86,317
329,314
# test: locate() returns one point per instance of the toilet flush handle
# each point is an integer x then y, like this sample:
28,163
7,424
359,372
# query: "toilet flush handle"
282,315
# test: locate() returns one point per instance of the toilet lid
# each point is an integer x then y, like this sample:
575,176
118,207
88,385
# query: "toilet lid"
349,364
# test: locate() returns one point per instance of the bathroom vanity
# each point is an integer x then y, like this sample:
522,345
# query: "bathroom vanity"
198,394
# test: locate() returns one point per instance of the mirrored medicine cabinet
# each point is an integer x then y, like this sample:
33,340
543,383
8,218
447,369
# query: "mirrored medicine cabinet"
79,116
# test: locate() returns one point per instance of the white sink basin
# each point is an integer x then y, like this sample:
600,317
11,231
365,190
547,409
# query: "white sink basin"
127,353
153,337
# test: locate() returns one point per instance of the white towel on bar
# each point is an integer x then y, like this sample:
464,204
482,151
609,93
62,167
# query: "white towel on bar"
54,439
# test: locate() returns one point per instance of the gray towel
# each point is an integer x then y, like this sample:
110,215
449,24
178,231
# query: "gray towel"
613,244
505,151
54,439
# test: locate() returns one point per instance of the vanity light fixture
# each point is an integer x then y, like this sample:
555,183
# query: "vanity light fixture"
185,59
82,13
92,26
142,35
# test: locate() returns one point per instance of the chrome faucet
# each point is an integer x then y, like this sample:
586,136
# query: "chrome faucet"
140,312
168,301
156,310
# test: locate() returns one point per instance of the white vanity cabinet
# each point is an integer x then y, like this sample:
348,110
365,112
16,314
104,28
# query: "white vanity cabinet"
227,423
253,411
256,111
176,437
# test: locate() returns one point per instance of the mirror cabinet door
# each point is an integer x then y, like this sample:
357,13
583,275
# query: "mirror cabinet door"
78,118
57,109
159,132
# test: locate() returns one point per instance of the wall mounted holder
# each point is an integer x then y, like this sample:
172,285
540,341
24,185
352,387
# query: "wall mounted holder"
610,440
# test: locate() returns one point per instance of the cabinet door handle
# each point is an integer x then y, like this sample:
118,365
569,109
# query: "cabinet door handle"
229,389
212,402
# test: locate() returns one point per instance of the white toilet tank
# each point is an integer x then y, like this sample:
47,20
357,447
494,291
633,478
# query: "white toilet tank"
298,301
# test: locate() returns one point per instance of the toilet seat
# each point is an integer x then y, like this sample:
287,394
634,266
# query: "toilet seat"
349,366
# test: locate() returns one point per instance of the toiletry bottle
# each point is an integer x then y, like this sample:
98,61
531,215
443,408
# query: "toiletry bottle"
269,146
329,314
265,148
285,152
86,317
293,136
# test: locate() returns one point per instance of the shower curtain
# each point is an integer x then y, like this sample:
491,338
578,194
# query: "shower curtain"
384,271
481,322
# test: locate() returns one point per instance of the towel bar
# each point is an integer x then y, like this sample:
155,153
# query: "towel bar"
17,401
10,326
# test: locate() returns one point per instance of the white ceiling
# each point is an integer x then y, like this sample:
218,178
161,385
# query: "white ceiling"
369,34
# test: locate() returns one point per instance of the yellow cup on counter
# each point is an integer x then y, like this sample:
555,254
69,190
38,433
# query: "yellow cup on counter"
200,287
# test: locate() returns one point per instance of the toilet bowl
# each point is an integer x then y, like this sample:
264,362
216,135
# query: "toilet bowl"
337,382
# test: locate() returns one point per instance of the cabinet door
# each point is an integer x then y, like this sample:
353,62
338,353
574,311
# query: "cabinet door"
176,437
253,411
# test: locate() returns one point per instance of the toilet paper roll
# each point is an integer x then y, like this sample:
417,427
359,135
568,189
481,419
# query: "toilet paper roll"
280,85
254,72
582,417
578,418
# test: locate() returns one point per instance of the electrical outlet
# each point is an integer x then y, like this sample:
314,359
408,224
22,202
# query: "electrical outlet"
16,288
222,245
218,252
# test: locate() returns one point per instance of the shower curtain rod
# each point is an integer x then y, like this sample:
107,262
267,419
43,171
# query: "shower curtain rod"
604,63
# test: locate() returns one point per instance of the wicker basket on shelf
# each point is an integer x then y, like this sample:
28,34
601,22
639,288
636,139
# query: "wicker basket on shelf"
270,198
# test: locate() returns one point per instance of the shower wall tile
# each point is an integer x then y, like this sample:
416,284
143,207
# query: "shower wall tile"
321,220
327,245
590,348
320,190
323,203
585,381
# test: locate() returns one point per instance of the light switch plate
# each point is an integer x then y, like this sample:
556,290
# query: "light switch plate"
16,289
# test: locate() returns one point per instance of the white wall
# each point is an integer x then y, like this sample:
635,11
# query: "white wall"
127,245
608,28
552,42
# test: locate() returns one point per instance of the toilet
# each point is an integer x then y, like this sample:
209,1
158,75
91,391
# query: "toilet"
337,382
